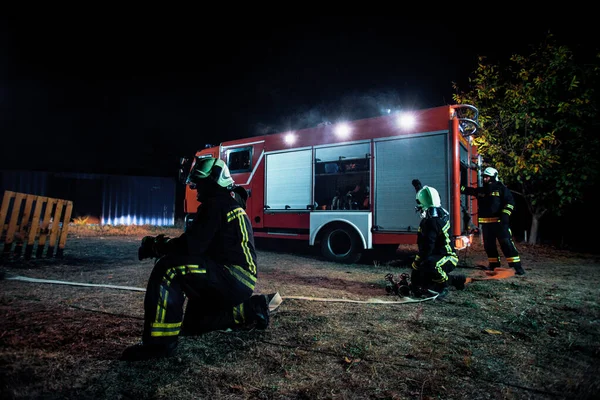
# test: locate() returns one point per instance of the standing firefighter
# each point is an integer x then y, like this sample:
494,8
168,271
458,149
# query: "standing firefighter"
436,257
212,264
495,204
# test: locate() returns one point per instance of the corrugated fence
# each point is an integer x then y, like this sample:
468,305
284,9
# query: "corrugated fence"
99,198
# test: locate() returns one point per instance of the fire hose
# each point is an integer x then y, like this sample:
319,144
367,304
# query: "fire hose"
401,300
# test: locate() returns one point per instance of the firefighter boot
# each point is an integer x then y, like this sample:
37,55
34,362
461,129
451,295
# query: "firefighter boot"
141,351
261,306
442,289
443,293
518,269
458,281
493,263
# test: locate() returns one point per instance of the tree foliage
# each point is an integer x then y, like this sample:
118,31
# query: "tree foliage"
538,117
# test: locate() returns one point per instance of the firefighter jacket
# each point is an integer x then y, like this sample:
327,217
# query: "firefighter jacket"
220,231
433,237
494,200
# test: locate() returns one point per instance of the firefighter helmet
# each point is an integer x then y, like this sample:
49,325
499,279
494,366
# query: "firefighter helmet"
428,197
212,168
491,172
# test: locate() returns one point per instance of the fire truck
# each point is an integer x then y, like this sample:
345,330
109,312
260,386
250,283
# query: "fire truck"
347,187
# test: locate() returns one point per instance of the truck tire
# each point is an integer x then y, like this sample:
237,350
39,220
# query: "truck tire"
341,244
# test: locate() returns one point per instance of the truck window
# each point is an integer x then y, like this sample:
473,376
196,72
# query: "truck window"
342,177
239,160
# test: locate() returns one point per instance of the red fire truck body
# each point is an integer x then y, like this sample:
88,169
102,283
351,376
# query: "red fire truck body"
347,187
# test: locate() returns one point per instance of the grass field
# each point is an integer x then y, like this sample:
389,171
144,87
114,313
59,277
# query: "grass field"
530,337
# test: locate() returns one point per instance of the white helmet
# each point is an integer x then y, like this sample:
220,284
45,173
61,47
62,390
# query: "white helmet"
491,172
428,197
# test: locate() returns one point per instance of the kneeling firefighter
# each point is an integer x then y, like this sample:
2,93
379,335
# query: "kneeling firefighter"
212,264
436,256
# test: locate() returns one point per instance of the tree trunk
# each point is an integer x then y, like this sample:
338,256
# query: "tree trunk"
533,231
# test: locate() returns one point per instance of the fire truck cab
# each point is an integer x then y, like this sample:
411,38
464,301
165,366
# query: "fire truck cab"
347,187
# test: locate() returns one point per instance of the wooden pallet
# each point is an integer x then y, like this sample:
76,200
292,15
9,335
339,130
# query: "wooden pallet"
32,221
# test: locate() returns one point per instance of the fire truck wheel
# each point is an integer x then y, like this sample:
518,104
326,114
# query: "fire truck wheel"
341,244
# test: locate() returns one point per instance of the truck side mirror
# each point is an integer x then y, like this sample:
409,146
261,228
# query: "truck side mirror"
184,169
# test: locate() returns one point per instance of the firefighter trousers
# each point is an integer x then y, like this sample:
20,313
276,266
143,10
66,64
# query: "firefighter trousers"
433,272
218,295
500,232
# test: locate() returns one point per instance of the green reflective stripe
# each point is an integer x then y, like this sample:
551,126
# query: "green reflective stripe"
488,220
165,329
448,246
238,314
242,275
446,227
513,259
443,275
510,206
438,266
166,325
445,259
414,263
245,247
507,211
162,334
245,274
170,274
161,308
191,269
231,215
239,214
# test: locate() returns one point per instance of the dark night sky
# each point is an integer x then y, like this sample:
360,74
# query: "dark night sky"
121,96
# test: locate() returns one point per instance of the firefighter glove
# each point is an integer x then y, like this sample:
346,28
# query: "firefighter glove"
153,247
160,245
146,249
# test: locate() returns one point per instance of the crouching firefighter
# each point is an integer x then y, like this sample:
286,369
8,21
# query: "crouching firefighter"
436,256
212,264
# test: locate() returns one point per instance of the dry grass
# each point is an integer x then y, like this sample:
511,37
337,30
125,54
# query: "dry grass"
83,230
531,337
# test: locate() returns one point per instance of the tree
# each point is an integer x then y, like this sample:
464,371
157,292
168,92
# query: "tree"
538,125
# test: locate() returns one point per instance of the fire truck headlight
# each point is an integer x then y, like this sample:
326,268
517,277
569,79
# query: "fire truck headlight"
290,138
406,121
342,130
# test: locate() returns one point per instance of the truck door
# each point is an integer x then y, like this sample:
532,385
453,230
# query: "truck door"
246,165
397,162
